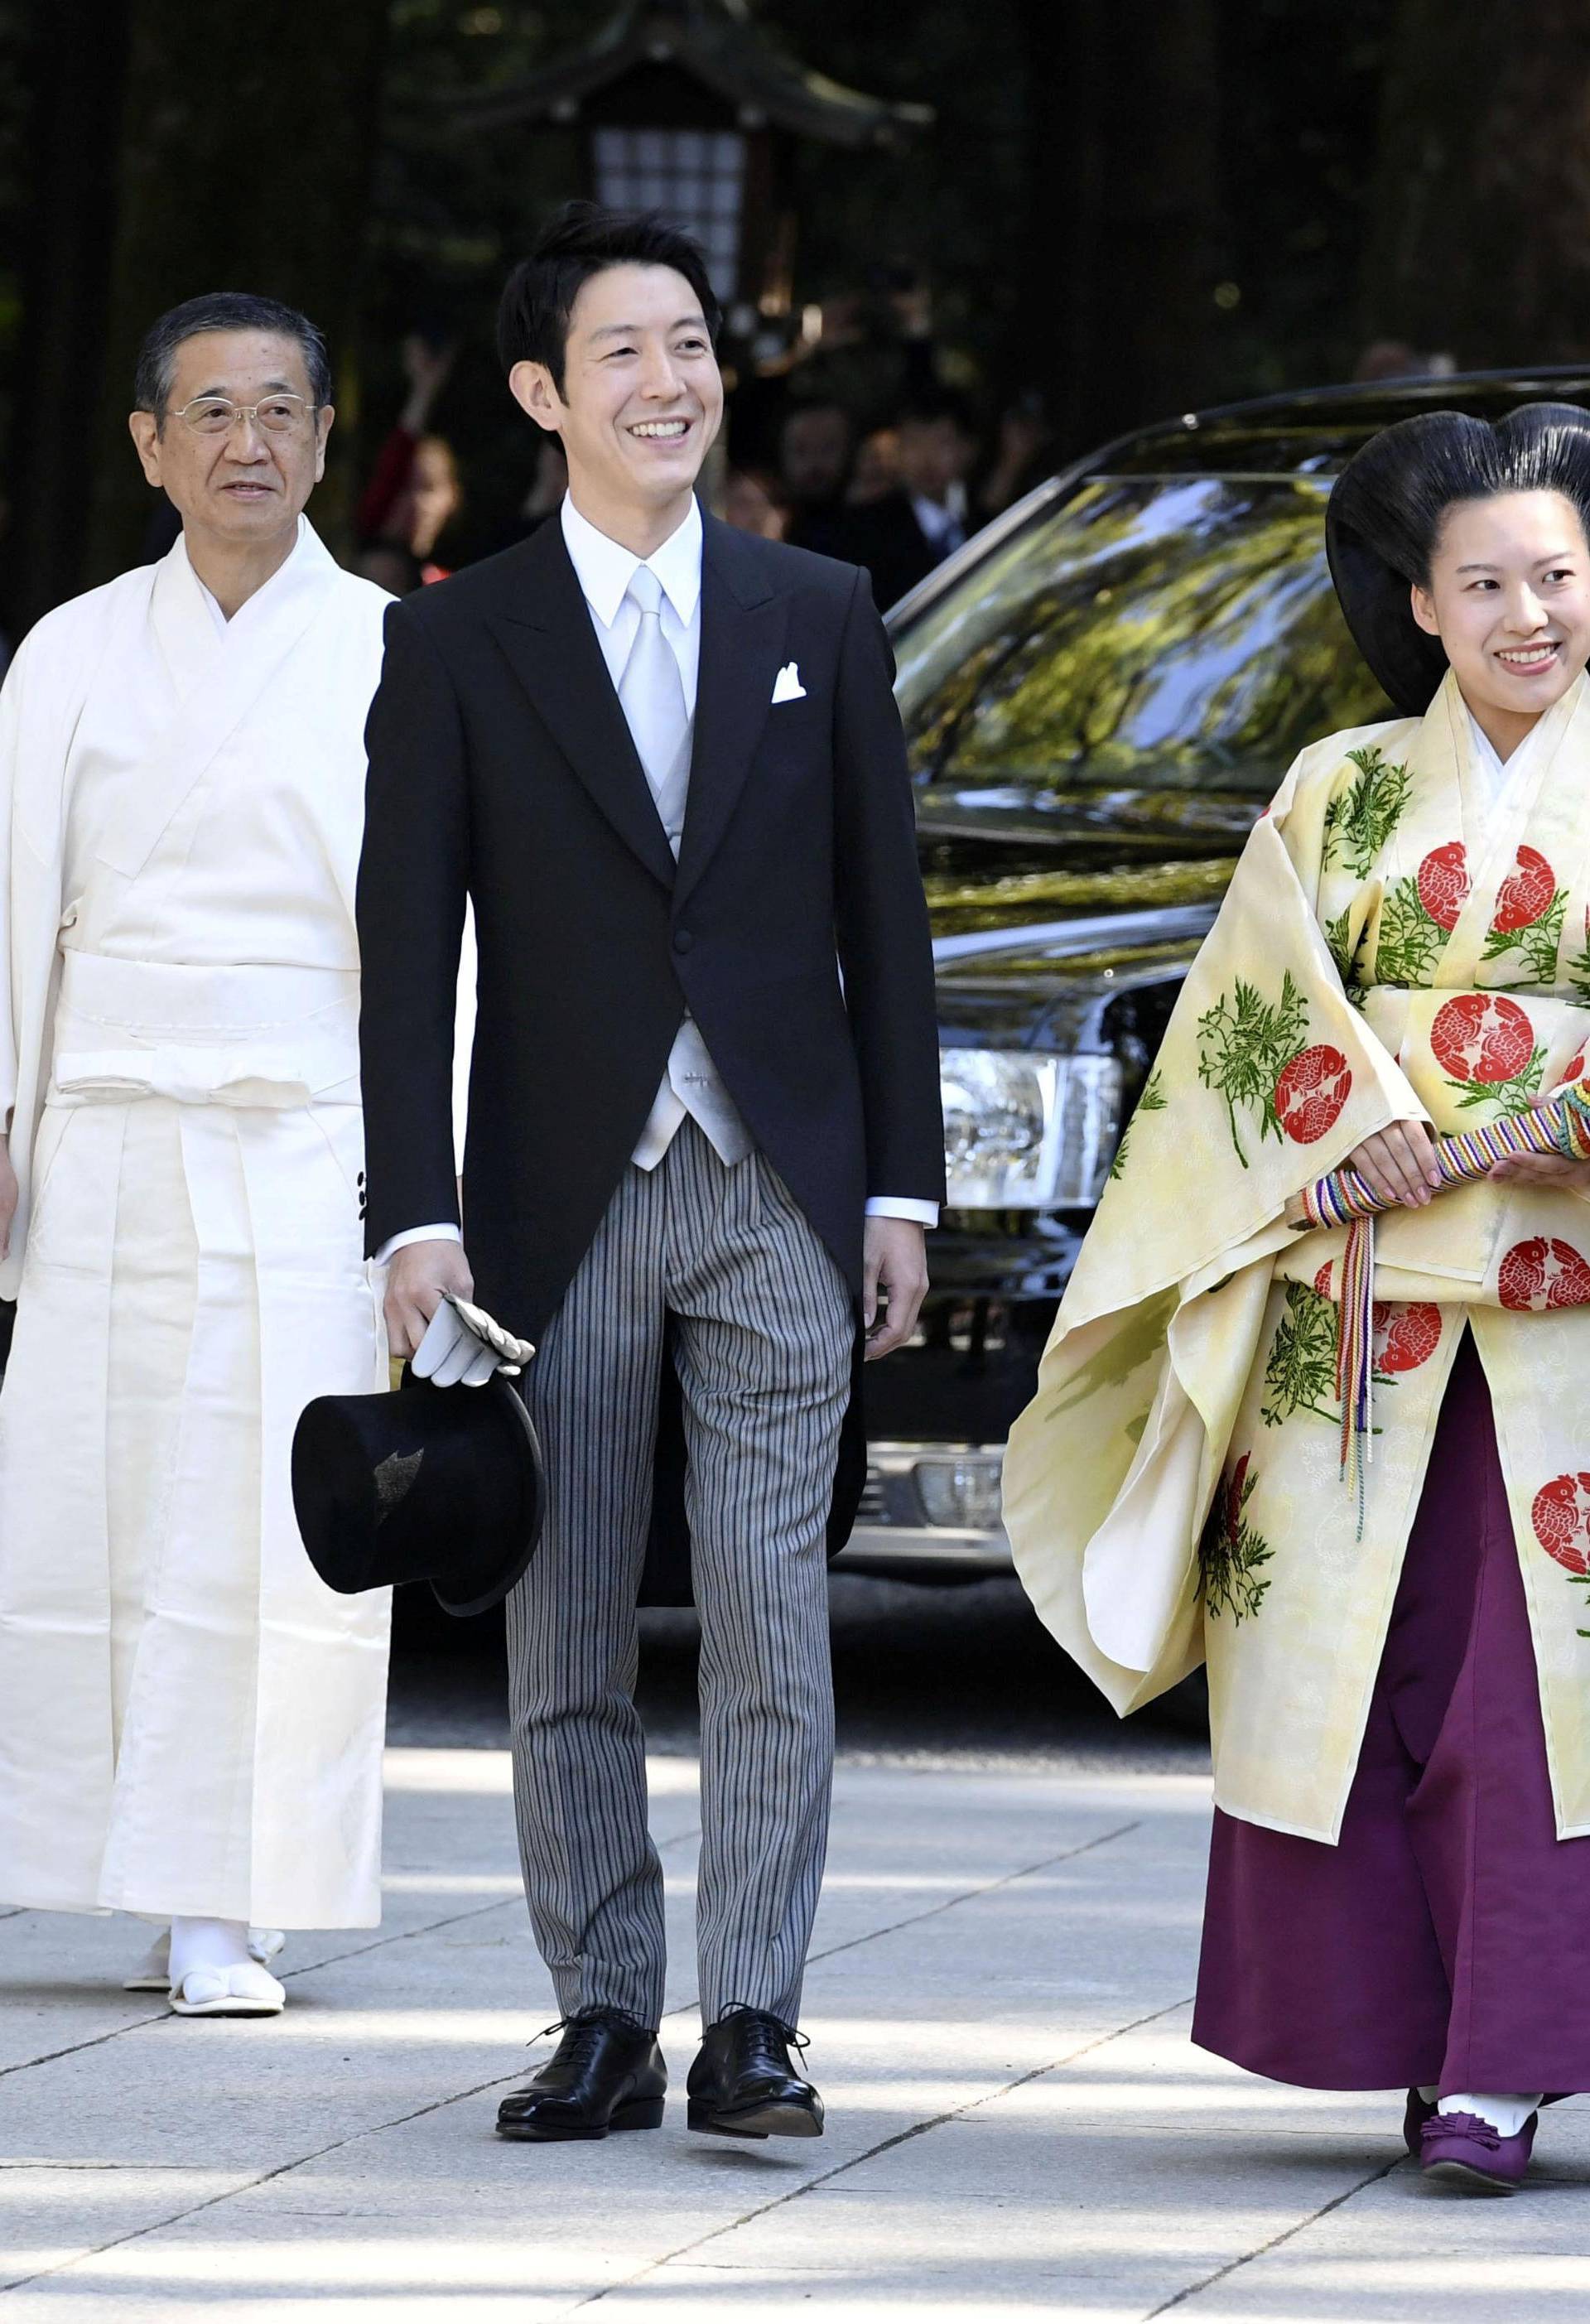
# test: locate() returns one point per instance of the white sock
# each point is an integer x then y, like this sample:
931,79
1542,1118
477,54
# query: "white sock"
1429,2092
213,1960
206,1944
1506,2111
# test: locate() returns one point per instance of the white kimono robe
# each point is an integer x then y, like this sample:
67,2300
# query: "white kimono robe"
189,1722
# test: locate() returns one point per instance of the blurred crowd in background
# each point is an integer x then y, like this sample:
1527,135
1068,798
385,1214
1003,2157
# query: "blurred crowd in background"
857,446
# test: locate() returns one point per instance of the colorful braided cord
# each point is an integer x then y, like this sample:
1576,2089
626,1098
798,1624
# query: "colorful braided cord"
1560,1126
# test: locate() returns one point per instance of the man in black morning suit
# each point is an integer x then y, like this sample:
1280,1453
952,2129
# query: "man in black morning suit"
663,760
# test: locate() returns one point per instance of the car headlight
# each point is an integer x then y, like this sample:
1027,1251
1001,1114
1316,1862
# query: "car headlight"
1025,1131
960,1489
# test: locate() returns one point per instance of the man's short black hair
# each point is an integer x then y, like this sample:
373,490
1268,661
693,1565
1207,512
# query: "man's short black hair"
538,297
223,311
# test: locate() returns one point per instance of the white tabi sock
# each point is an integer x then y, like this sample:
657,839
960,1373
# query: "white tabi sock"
206,1944
1506,2111
211,1958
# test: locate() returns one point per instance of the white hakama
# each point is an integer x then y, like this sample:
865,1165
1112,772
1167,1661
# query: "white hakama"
189,1722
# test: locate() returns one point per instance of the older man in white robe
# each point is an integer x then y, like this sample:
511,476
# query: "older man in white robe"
190,1723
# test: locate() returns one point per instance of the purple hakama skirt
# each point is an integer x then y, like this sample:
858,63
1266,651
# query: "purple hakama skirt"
1442,1941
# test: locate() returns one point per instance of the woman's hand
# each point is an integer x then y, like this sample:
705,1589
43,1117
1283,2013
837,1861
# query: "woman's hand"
7,1197
1399,1164
1544,1169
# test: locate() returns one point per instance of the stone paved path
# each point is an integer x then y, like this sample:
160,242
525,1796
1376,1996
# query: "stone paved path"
998,2006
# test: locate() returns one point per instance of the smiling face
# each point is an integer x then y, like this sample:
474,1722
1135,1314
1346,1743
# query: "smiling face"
1508,597
243,488
642,398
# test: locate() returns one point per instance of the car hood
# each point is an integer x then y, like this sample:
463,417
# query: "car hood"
1042,946
976,886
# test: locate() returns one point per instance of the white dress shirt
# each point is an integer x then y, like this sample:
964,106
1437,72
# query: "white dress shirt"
603,568
943,523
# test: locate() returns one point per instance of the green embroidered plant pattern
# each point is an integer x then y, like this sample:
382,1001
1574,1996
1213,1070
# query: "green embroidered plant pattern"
1514,1095
1359,820
1409,943
1338,942
1299,1373
1231,1550
1243,1041
1485,1044
1577,972
1153,1100
1537,945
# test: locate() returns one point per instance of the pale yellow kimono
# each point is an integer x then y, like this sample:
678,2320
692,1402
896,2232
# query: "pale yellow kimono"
190,1722
1390,949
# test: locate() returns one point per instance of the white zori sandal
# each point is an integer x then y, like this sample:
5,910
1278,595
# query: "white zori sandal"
153,1975
244,1990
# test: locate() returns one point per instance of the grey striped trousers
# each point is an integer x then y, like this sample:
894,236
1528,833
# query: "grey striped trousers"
764,1328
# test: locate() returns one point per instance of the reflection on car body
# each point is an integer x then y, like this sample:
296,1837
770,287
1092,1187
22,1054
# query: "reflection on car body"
1101,691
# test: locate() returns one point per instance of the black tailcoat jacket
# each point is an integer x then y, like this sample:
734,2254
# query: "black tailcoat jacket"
793,927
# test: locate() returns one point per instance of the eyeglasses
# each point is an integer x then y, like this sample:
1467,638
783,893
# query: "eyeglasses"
217,415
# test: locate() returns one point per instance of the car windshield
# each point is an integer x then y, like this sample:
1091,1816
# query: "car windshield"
1148,657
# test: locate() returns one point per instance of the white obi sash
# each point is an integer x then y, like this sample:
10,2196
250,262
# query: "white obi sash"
233,1035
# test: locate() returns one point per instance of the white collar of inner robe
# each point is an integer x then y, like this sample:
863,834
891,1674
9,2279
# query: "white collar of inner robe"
187,616
604,568
1497,774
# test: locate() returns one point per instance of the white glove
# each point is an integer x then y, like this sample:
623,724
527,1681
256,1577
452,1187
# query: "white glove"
463,1347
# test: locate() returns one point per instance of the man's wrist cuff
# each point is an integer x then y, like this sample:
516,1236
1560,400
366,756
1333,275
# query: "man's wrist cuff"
444,1232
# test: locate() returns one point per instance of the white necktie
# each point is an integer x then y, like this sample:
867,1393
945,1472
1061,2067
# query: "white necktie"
651,694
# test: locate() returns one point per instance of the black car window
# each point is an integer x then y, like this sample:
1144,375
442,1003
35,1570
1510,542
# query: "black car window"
1151,638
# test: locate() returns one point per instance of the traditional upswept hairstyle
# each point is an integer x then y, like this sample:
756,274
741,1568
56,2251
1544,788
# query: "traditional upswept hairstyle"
223,311
1383,523
581,241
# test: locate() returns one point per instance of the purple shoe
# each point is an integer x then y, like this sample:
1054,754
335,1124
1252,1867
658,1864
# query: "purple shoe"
1461,2146
1418,2113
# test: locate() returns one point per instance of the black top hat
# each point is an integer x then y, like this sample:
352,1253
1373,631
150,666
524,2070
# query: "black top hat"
442,1485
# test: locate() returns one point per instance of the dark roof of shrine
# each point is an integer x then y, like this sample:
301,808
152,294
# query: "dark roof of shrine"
718,43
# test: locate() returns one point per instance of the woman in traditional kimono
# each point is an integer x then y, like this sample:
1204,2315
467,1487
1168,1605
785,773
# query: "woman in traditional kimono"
1400,1674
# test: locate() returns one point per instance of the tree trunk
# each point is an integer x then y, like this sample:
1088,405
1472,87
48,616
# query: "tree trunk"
78,63
1126,190
245,165
1480,242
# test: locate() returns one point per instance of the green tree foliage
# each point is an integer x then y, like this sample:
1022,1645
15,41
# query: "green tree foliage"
1480,205
245,165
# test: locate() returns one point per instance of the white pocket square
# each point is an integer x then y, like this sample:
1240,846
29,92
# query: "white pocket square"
786,686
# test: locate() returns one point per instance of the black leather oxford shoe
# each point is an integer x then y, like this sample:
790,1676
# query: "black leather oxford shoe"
607,2073
743,2084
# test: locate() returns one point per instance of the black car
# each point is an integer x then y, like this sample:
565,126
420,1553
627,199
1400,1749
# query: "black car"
1101,692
